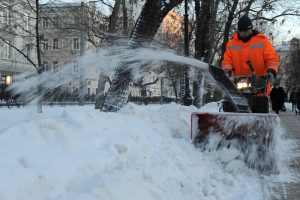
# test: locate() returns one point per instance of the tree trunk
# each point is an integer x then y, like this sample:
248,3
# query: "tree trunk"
213,33
202,42
228,26
114,18
143,33
173,80
203,15
125,18
112,30
247,8
82,52
99,99
38,52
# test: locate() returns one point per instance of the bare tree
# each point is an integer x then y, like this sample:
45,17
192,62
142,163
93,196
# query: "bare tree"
143,86
112,36
125,18
232,8
19,26
171,36
143,33
203,15
82,21
204,31
113,19
26,26
118,93
260,11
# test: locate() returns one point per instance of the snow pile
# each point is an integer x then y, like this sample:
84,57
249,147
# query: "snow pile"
142,152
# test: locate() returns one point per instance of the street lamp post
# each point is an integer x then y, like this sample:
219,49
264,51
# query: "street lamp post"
187,99
82,46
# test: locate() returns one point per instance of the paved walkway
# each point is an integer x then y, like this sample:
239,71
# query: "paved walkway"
291,123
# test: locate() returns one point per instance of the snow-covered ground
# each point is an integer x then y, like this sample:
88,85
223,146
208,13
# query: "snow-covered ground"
142,152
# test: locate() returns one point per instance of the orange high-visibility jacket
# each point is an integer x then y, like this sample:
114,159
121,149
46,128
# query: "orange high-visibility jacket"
258,50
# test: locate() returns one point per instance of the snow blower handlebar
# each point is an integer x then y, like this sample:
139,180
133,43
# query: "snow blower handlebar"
266,77
249,63
260,81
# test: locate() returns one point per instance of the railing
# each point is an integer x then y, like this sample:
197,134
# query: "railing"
15,66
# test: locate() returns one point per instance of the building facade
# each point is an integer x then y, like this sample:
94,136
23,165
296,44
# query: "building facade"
64,29
16,40
290,63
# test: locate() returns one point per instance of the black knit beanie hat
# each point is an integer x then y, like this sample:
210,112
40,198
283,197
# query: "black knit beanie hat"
244,23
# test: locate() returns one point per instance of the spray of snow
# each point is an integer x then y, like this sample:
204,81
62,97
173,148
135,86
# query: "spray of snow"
106,61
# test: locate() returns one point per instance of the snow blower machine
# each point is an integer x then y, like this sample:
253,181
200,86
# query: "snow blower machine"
245,124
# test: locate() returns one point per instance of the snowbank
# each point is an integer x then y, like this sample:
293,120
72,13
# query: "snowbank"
142,152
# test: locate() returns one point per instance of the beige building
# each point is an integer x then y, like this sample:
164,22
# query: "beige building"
63,27
15,39
285,51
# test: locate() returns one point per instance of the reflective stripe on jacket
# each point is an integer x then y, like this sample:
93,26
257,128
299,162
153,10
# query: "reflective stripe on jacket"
258,50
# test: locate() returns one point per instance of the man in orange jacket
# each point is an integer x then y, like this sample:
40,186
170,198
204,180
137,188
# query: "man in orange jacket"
248,44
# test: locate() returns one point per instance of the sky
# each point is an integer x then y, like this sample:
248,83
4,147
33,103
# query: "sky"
292,26
286,31
141,152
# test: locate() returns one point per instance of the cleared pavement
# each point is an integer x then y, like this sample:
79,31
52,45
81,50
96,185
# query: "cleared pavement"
291,123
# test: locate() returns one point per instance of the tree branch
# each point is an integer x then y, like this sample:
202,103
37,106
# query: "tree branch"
102,1
150,83
18,50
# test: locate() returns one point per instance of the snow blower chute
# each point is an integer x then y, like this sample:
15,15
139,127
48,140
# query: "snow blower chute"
245,123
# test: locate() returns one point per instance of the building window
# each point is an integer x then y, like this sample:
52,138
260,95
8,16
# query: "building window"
45,66
5,50
75,67
55,43
76,21
55,66
2,81
4,17
45,22
5,80
27,22
45,44
75,45
8,80
55,22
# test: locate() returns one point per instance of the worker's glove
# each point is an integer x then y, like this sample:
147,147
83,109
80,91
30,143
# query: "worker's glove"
271,75
228,72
